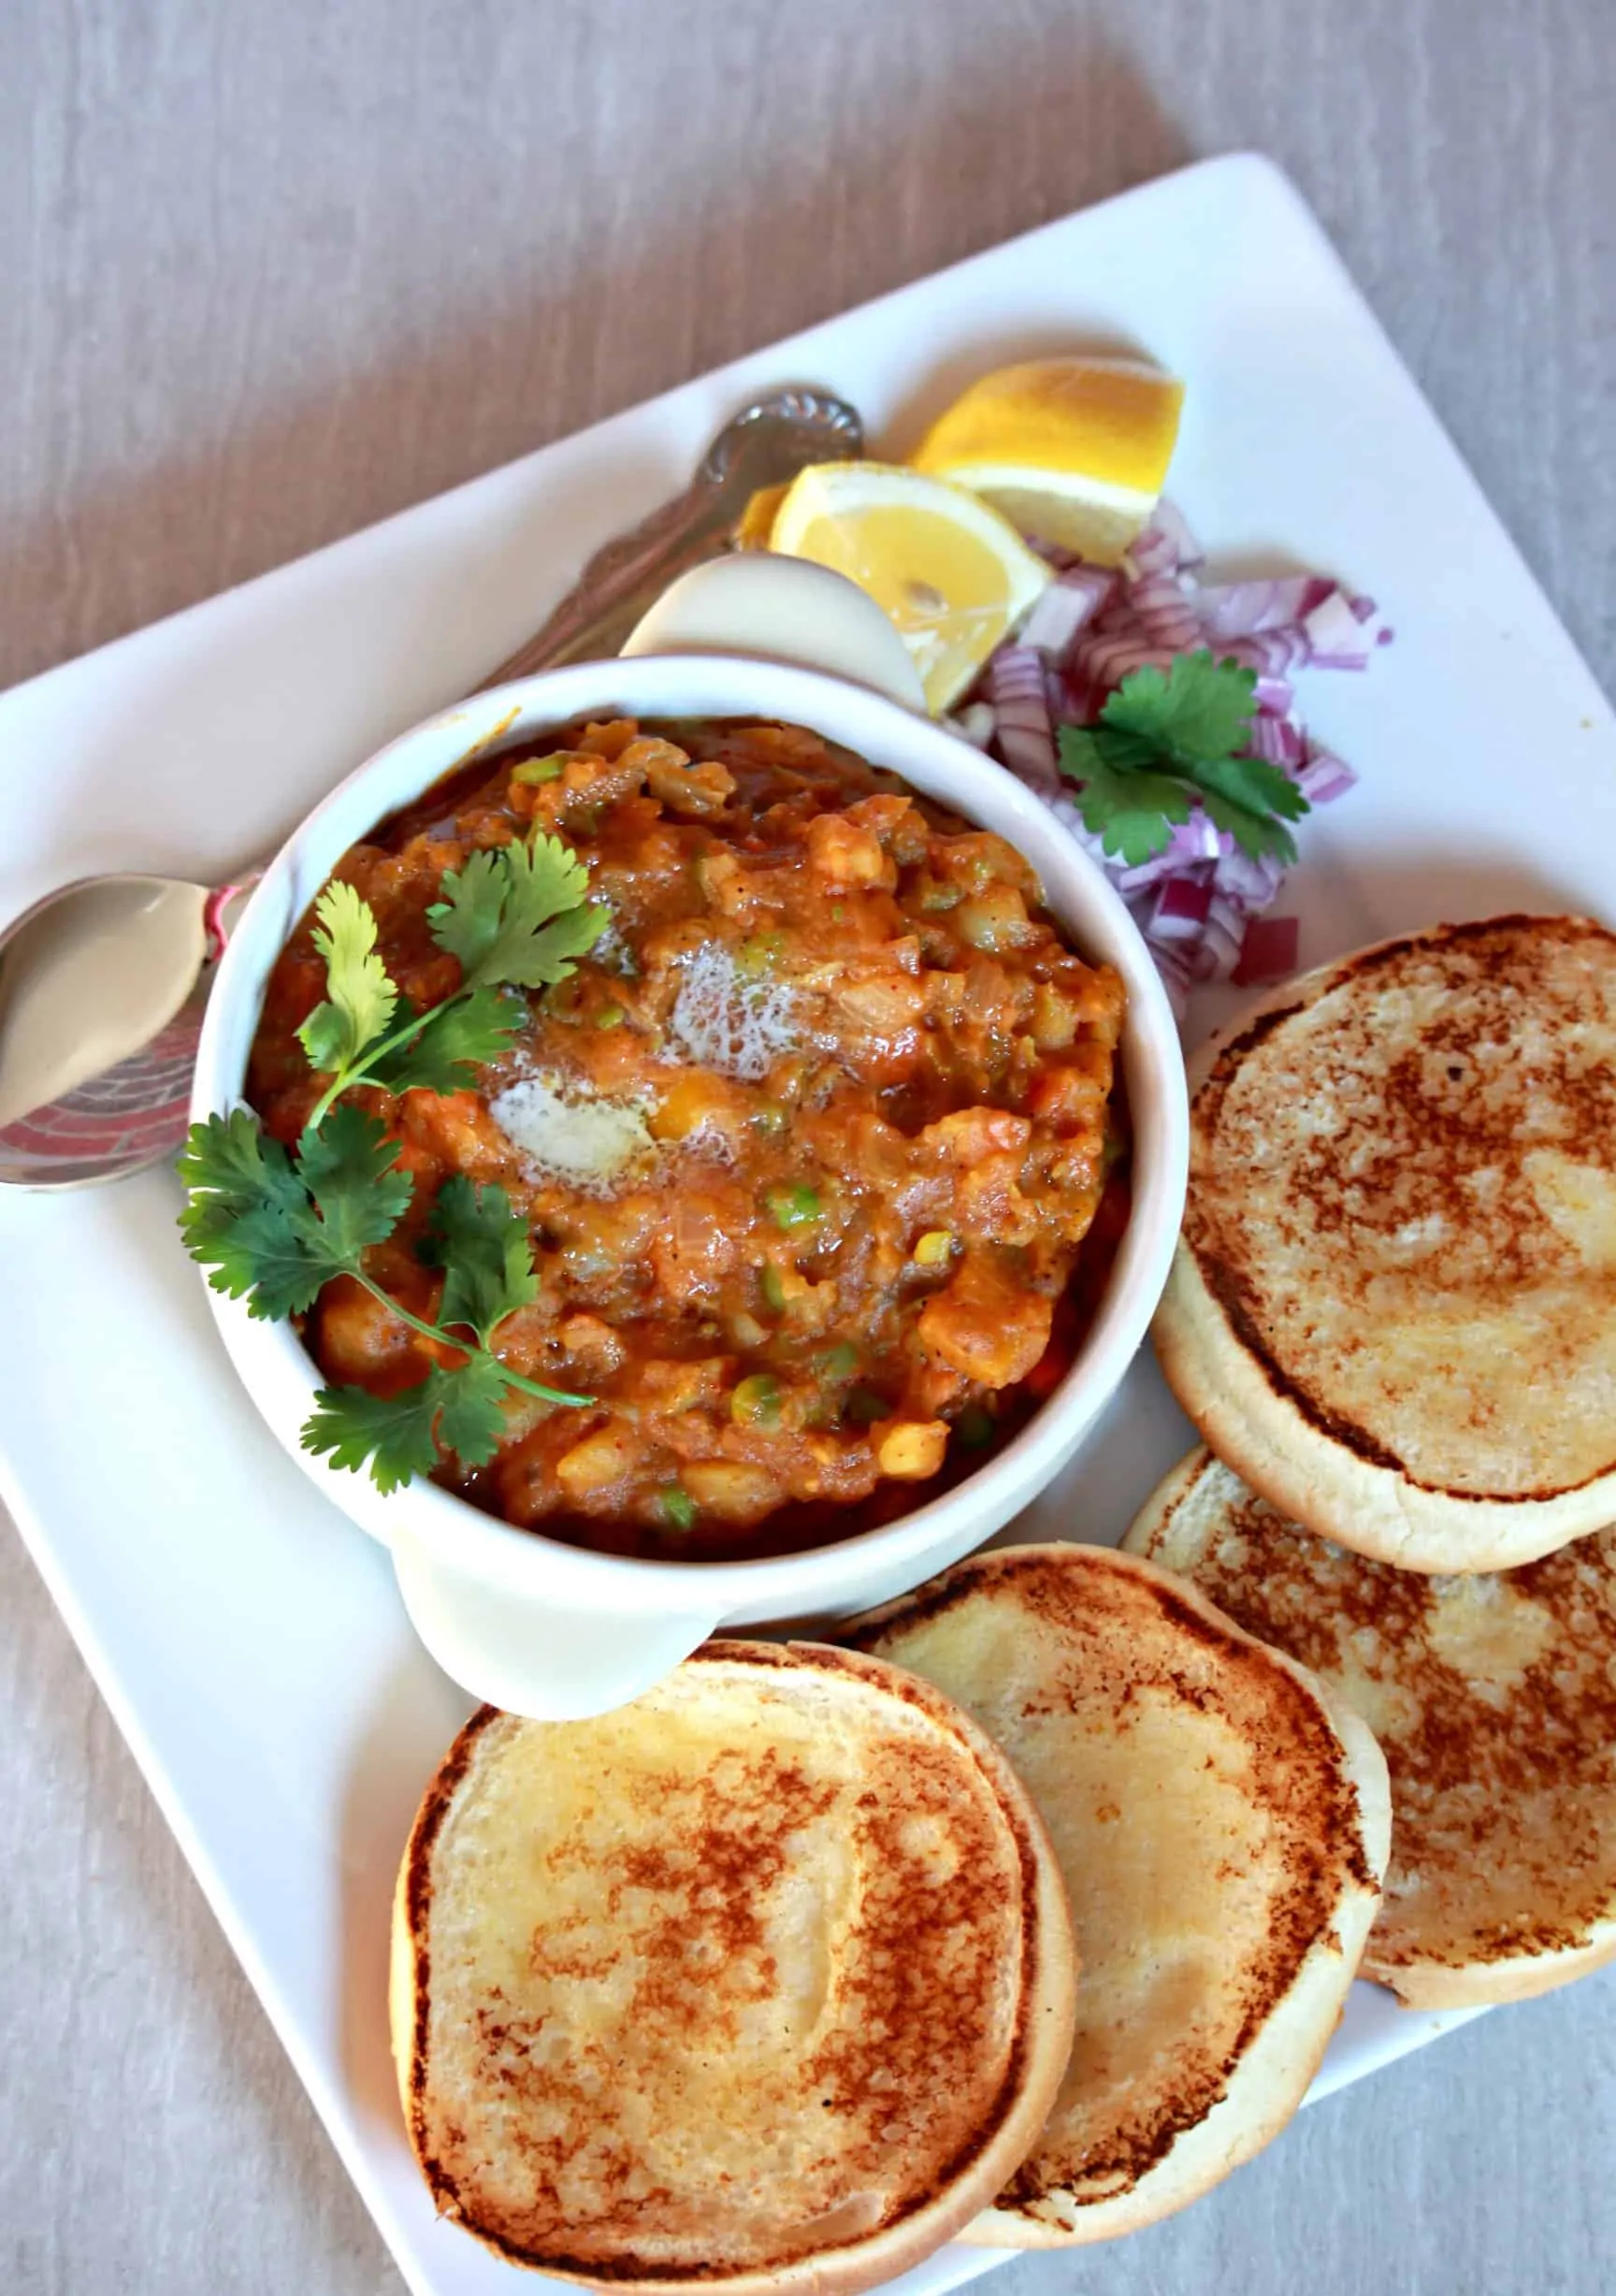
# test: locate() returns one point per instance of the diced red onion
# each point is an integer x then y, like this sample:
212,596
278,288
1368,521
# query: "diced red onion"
1110,660
1225,930
1272,653
1275,740
1241,608
1165,544
1020,706
1268,951
1180,912
1251,880
1154,552
1336,635
1324,777
1068,605
1200,902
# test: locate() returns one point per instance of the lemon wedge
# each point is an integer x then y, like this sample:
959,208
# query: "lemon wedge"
756,522
952,574
1073,450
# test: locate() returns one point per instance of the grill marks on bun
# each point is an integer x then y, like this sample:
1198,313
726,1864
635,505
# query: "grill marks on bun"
1393,1305
1221,1828
765,1980
1493,1697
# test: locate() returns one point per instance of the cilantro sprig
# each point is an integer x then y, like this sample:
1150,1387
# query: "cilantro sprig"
516,917
273,1226
1168,740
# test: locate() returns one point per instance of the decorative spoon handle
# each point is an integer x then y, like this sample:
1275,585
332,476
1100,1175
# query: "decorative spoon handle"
765,445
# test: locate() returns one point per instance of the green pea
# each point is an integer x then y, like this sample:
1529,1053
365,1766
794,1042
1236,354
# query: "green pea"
793,1207
756,1402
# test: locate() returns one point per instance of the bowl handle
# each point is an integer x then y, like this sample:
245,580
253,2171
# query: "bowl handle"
787,610
533,1655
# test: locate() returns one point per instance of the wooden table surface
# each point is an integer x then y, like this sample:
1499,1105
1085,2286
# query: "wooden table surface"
271,269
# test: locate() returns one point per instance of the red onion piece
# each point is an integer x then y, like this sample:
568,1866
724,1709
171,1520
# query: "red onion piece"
1021,709
1268,951
1275,740
1324,777
1242,608
1182,910
1068,605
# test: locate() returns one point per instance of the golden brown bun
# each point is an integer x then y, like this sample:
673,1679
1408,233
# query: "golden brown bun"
1495,1701
764,1980
1222,1830
1392,1309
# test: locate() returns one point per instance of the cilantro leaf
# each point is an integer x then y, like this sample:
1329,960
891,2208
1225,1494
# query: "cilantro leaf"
516,915
229,1163
351,1168
394,1434
399,1436
486,1253
447,1057
1162,741
1241,794
1194,709
472,1423
247,1220
360,999
278,1261
1131,813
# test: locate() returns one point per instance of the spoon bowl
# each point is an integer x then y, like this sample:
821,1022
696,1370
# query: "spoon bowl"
102,990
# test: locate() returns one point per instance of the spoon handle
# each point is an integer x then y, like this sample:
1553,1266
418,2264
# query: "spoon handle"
765,445
622,578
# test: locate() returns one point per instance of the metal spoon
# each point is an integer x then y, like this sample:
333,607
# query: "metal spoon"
137,954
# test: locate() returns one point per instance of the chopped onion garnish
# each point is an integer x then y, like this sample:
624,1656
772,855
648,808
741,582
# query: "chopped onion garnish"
1200,903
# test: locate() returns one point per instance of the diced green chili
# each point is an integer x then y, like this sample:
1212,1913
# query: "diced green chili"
840,1364
773,1287
678,1508
793,1207
756,1402
610,1017
534,770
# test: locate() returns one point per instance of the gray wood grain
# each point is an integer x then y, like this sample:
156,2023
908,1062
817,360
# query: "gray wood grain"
270,271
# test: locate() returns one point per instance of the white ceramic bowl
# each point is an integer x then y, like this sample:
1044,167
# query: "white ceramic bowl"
553,1630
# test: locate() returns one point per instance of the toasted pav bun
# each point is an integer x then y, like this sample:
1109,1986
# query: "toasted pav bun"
1392,1309
1493,1697
1221,1826
764,1980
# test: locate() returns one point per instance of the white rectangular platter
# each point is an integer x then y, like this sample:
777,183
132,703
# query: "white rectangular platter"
248,1640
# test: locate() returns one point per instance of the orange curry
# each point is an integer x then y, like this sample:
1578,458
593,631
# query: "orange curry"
808,1144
